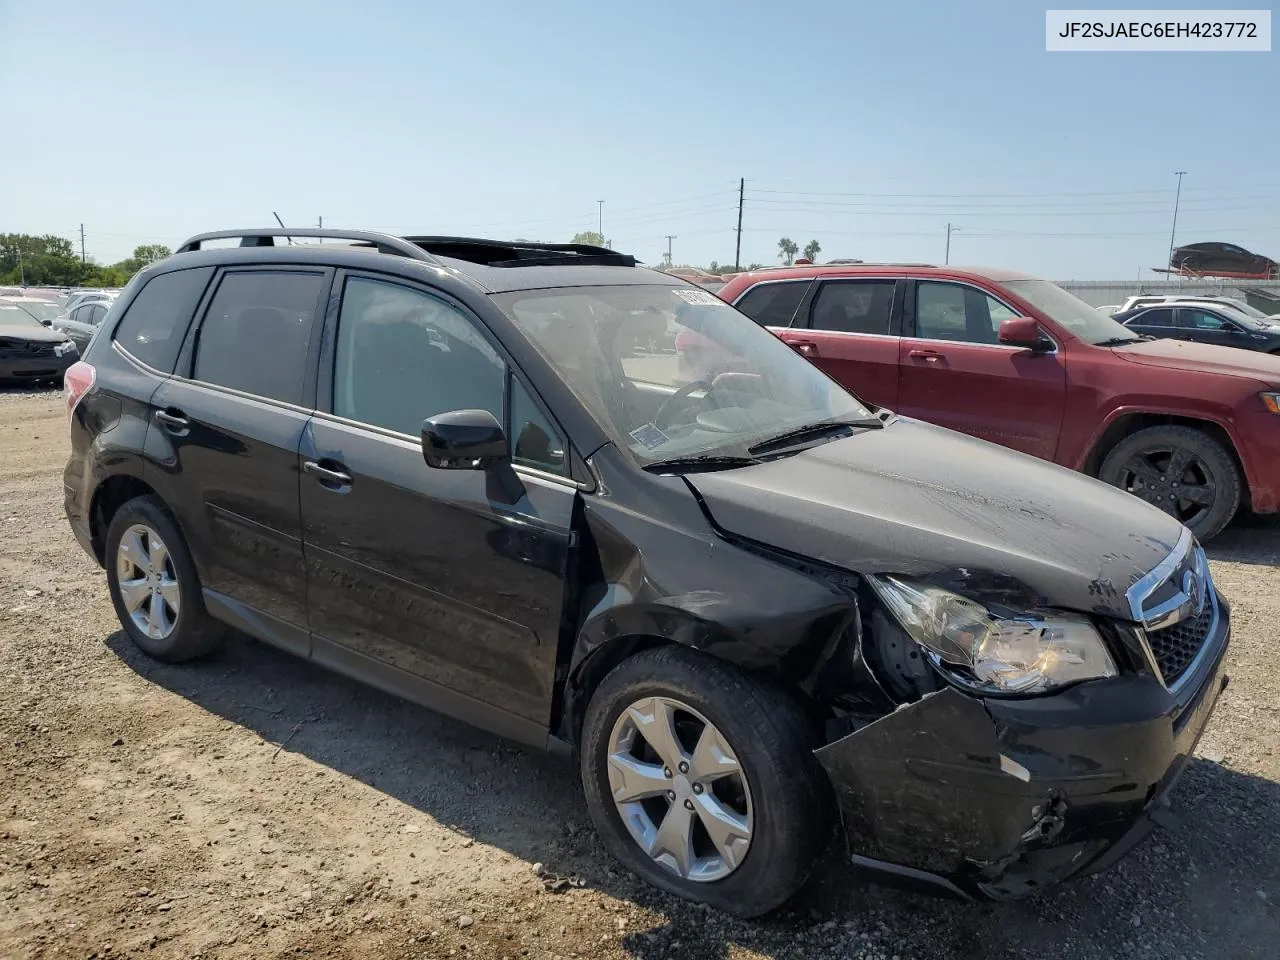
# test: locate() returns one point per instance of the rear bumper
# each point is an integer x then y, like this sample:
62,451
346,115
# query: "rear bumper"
35,368
997,799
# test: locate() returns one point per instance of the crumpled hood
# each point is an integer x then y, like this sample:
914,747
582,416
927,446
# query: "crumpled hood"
1203,358
33,334
920,500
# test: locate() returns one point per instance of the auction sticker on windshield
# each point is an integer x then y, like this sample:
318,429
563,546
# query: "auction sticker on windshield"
698,298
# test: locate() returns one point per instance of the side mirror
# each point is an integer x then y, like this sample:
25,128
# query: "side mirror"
464,440
47,323
1023,332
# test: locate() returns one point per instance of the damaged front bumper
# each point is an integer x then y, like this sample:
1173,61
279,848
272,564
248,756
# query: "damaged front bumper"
995,799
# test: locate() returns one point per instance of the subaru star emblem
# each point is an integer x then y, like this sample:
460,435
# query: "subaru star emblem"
1193,587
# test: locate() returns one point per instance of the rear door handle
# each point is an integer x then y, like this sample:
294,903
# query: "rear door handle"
806,348
175,421
928,356
329,478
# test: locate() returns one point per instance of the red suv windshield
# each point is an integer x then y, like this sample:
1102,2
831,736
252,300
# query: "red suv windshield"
1069,311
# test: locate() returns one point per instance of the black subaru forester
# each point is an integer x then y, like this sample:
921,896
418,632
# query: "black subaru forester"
471,473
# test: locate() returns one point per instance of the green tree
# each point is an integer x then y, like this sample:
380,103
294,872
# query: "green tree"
589,237
812,249
787,250
38,261
149,253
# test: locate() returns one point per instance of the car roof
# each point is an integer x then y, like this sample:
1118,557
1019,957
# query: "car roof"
927,270
491,266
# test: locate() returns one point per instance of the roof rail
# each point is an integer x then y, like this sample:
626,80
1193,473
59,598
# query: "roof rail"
265,237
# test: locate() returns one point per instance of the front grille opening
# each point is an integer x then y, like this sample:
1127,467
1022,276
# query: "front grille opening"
1175,647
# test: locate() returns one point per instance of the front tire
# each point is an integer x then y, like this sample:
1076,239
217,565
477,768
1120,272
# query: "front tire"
154,585
1181,470
702,781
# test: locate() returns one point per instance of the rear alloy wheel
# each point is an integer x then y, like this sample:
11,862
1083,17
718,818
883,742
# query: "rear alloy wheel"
1180,470
703,782
154,585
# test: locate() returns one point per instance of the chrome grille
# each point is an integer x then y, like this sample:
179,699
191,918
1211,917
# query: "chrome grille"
1175,647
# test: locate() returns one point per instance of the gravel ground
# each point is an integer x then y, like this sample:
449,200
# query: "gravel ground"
253,806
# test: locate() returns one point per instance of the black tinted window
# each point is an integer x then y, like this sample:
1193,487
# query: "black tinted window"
854,306
1161,317
156,323
404,356
773,304
255,333
535,442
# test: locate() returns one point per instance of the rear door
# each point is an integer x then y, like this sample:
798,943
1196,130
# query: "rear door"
226,432
849,327
419,580
954,372
1156,322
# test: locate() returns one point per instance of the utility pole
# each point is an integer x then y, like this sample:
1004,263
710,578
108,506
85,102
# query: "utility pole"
320,224
82,256
22,272
600,219
1176,198
669,237
737,250
947,256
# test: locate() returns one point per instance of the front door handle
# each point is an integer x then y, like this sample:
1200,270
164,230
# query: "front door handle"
330,479
928,356
806,348
175,421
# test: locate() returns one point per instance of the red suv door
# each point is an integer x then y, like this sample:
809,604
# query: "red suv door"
849,327
954,372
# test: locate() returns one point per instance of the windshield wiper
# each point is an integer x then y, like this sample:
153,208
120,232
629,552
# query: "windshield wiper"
701,462
1116,341
813,430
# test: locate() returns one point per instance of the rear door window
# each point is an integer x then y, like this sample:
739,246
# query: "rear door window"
773,304
256,332
155,324
854,306
1159,317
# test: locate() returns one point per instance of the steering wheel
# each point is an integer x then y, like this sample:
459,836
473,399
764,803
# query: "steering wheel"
669,405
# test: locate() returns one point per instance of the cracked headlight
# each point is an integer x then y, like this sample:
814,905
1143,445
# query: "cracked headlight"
1020,653
64,348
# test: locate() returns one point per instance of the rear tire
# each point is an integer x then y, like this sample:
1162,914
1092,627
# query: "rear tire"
160,606
782,800
1166,465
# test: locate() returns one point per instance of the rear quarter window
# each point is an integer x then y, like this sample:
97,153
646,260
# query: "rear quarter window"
156,322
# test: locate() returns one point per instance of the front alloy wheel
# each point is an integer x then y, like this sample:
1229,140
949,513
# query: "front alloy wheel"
679,789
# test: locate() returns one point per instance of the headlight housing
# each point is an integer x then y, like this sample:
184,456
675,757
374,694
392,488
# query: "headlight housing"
1271,401
64,348
1022,653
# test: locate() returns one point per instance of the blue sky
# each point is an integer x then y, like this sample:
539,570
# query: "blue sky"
867,127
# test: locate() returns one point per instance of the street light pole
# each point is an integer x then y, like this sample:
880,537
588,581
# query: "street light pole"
946,258
600,219
1176,198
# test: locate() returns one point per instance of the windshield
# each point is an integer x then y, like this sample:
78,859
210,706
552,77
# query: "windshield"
11,315
39,309
1069,311
674,372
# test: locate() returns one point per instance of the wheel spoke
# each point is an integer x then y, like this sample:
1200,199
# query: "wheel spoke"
632,780
1200,494
169,590
1179,459
134,593
1144,471
157,619
1168,504
132,550
712,758
159,554
727,829
655,719
673,843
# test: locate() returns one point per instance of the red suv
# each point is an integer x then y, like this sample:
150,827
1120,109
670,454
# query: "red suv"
1191,428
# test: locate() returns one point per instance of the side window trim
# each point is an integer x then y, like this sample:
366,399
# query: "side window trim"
895,306
121,316
909,318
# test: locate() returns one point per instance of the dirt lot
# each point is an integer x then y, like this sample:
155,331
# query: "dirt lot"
253,806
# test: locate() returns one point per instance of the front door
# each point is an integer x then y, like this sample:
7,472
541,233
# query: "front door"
226,431
1206,326
419,580
955,373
